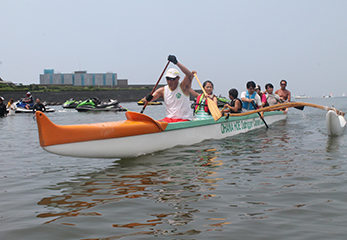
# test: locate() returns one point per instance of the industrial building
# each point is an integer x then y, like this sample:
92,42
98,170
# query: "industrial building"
82,78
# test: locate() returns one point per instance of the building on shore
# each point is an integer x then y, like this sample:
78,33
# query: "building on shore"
6,82
82,78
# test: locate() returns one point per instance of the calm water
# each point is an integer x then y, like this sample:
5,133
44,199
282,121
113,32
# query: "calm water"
288,182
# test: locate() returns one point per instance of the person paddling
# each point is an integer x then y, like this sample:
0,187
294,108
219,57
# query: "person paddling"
201,99
261,95
175,94
271,98
250,96
284,94
235,105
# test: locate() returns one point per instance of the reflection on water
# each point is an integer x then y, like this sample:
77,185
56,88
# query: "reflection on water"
175,181
288,182
333,143
180,180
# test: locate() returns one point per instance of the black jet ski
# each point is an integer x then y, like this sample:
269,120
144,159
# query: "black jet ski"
94,104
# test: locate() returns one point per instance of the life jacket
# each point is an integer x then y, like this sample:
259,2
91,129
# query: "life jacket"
232,104
200,101
247,105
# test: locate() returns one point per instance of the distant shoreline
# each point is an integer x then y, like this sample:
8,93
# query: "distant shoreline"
58,98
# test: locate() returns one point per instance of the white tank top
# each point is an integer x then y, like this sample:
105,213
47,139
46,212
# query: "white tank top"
177,103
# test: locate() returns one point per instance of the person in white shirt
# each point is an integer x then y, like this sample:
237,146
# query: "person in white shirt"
271,97
175,94
11,107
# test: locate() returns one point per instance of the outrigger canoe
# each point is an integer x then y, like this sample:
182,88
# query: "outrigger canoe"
140,134
336,124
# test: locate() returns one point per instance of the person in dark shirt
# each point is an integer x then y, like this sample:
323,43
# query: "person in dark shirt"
39,106
3,110
235,106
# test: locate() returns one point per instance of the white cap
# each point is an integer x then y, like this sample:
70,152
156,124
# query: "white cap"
172,73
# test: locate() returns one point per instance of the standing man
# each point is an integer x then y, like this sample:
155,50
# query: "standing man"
3,110
175,94
39,106
283,92
250,96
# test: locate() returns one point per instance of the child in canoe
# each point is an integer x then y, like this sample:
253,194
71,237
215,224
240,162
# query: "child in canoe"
235,106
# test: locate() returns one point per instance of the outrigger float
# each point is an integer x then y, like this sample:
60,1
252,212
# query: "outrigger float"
140,134
335,122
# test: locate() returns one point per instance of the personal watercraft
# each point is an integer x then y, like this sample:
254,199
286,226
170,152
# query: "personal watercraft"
21,107
94,104
71,103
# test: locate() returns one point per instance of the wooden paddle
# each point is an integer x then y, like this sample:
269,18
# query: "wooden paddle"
261,117
161,75
287,105
212,106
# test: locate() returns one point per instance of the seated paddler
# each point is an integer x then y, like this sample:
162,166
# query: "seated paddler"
235,105
250,99
201,107
175,93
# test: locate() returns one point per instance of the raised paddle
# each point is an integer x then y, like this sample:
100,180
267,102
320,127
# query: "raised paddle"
212,106
255,107
161,75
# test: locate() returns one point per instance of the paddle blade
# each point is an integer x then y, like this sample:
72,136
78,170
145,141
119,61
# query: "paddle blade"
134,116
300,107
214,110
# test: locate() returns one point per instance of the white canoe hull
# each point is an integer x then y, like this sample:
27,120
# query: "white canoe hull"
336,124
133,146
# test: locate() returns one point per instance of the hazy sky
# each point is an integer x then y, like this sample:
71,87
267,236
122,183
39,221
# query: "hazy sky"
226,41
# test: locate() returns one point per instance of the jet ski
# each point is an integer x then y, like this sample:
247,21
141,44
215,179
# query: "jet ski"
22,109
221,101
94,104
71,103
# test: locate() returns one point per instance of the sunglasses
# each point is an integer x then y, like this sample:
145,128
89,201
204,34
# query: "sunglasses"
170,79
284,84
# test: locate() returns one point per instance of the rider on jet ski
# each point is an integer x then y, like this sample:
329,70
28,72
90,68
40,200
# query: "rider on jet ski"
28,100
